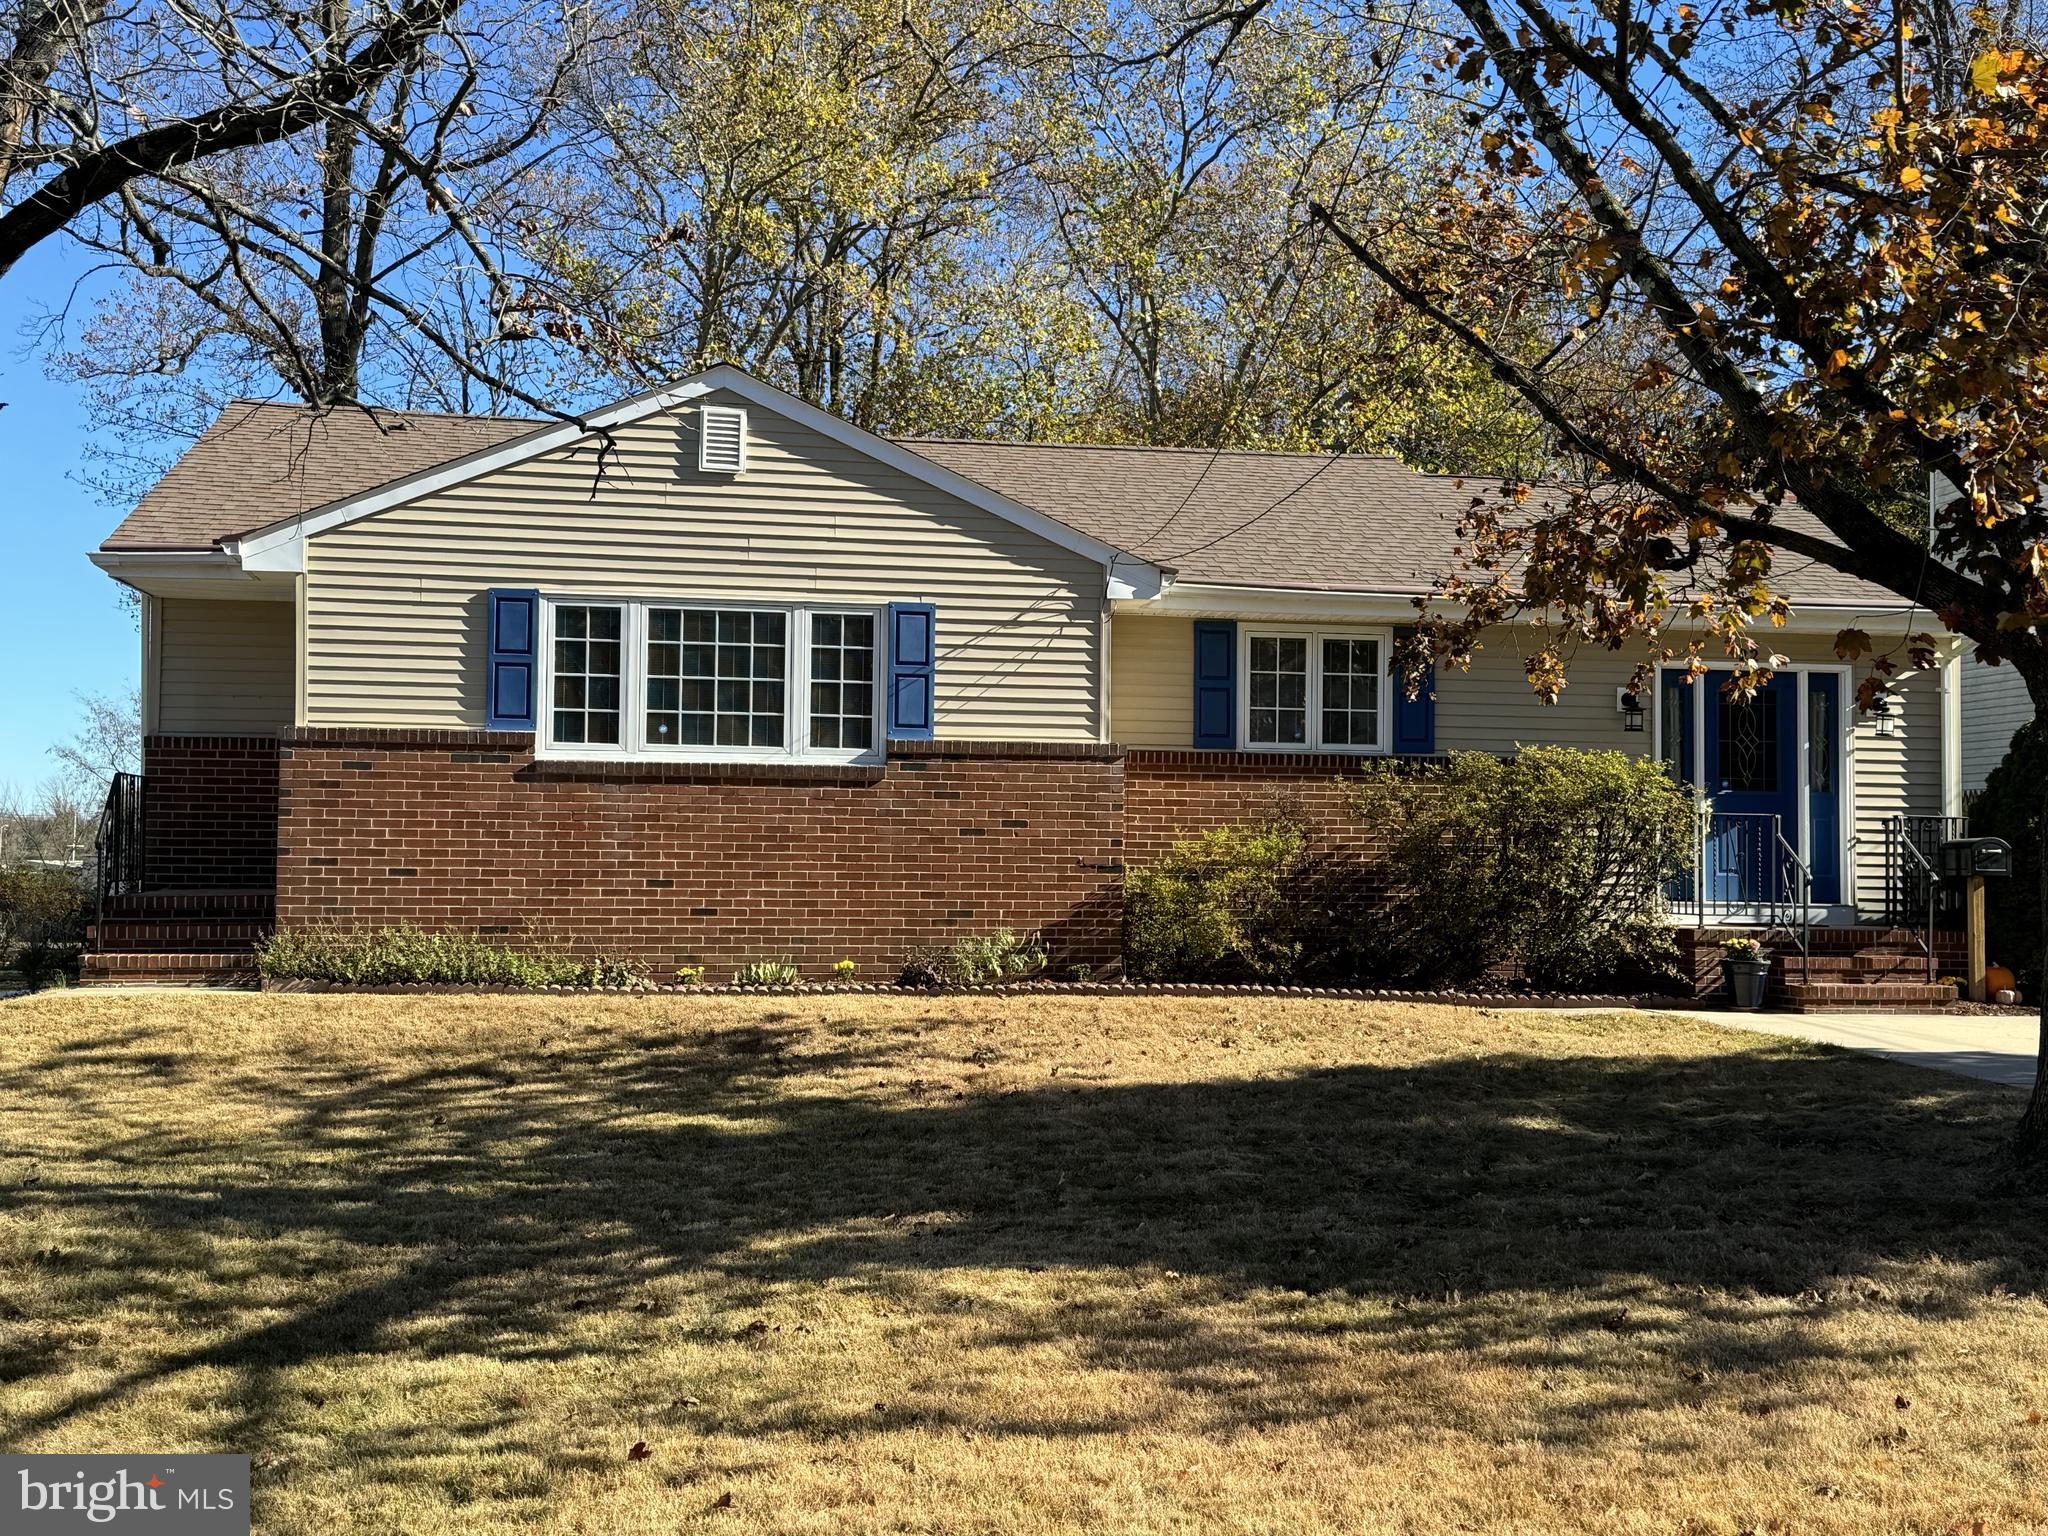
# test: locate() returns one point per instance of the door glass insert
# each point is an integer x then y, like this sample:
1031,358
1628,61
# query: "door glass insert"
1748,743
1820,737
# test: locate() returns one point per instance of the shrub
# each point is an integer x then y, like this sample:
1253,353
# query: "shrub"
1554,860
389,956
2010,807
768,973
45,963
1224,906
977,961
47,905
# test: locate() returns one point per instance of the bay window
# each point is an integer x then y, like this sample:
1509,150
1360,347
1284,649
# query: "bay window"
1317,690
693,678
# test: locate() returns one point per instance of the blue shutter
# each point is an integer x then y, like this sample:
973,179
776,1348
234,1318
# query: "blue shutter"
913,665
514,618
1215,683
1414,719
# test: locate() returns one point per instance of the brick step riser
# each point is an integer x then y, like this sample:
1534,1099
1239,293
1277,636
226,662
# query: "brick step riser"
129,935
199,967
1829,941
1856,967
192,907
236,980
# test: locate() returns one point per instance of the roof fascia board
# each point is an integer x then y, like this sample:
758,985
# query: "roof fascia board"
1126,571
1192,599
170,564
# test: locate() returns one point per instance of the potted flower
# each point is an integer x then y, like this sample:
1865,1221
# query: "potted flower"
1745,964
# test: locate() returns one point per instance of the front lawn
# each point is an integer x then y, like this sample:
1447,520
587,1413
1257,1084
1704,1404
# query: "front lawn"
1015,1265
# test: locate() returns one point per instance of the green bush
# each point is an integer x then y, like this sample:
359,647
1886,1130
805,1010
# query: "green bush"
388,956
2010,807
977,961
1553,860
46,963
43,905
1228,905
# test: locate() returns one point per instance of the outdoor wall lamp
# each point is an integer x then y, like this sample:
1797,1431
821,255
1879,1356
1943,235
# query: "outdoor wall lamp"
1881,714
1631,707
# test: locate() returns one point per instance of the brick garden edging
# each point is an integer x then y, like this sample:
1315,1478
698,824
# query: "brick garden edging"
1008,989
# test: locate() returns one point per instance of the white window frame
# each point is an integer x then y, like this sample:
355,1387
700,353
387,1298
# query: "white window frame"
796,682
1315,635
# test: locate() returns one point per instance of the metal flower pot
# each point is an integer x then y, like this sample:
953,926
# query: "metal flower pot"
1746,977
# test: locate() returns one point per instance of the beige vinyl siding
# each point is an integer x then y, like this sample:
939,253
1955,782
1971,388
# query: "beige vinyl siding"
1490,708
1995,704
1151,681
222,668
395,601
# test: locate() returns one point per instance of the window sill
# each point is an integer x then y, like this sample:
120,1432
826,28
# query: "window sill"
641,770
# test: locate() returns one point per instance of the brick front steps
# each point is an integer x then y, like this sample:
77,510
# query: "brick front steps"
200,938
1850,970
169,968
1821,996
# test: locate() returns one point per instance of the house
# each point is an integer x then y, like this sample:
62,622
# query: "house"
1995,706
712,676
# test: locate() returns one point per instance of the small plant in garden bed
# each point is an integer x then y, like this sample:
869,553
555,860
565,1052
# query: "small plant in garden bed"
768,973
979,961
689,975
844,970
402,955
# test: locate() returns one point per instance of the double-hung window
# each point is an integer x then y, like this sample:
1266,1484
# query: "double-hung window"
695,678
1310,690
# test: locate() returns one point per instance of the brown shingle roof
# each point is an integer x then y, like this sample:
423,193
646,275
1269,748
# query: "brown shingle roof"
1316,521
260,462
1350,523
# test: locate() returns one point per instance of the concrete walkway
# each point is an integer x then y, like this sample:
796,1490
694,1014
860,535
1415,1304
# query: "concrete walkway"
1999,1049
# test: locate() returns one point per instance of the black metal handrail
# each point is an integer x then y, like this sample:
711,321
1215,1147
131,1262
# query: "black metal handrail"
1743,877
120,846
1910,844
1793,910
1899,844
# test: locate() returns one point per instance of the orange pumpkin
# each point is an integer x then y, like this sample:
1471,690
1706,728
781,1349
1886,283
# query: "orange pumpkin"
1998,978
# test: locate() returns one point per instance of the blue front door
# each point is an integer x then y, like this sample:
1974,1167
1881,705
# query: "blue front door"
1749,767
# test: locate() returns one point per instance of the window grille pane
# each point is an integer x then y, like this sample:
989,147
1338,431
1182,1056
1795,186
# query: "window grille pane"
1277,679
842,681
587,675
715,677
1351,692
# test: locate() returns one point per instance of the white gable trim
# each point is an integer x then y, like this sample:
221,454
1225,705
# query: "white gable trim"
277,545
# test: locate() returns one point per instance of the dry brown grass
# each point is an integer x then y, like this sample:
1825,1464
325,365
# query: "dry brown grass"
1015,1267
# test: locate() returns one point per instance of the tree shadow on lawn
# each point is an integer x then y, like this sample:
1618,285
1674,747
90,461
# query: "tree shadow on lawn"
482,1206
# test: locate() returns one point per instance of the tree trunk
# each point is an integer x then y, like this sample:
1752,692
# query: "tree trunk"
2030,1141
340,350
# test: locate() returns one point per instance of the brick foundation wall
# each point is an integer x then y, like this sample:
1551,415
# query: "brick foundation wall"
678,864
211,812
1169,794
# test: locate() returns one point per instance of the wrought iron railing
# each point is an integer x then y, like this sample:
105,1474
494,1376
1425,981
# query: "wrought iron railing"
1915,897
1745,869
1911,853
1792,913
120,847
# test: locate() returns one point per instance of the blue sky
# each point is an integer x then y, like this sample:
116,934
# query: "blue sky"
62,628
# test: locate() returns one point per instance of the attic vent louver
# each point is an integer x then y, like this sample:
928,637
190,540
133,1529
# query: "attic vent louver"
722,439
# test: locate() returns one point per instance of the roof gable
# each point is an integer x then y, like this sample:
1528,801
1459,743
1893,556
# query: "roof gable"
276,545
